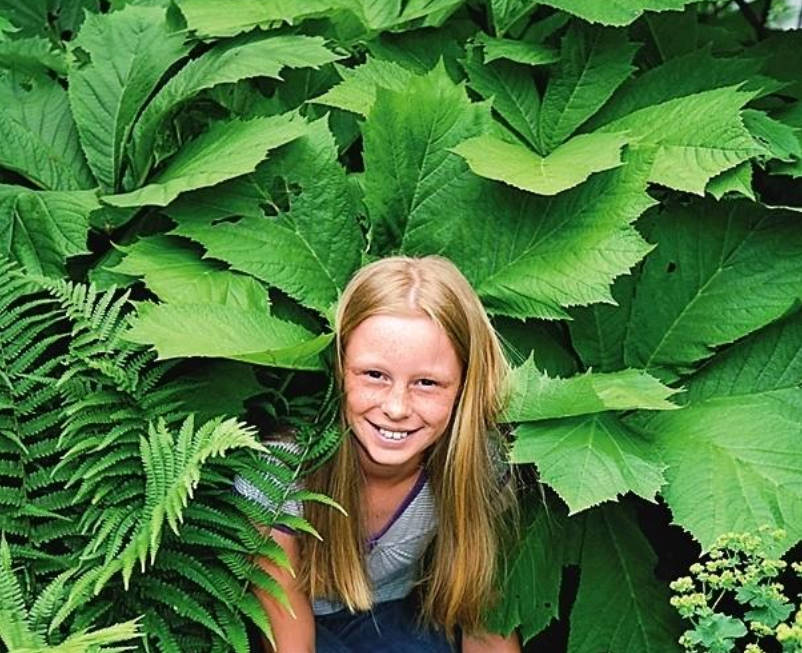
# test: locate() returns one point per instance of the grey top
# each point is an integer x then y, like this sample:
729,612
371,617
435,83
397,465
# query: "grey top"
395,552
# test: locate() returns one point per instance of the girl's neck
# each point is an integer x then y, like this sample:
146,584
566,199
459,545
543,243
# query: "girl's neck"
385,475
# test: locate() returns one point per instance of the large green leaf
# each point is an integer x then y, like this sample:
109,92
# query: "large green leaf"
737,180
536,396
176,274
620,12
766,360
310,250
230,17
228,149
41,229
686,75
694,137
33,55
590,459
537,254
568,165
530,596
735,261
620,605
215,330
118,60
511,89
38,138
525,52
507,12
593,63
357,91
598,331
778,138
734,462
228,62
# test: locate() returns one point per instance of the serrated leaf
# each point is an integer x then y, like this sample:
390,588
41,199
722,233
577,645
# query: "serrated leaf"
689,74
568,165
511,90
598,331
532,265
737,261
230,17
128,52
177,274
621,12
230,61
737,180
506,12
523,52
38,138
618,561
779,139
593,63
33,55
536,396
530,595
590,459
694,137
357,91
228,149
41,229
734,463
309,251
766,360
224,331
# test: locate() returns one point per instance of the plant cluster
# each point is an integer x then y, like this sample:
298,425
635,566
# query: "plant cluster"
740,573
620,182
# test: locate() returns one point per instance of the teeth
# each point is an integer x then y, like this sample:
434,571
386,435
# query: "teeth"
394,435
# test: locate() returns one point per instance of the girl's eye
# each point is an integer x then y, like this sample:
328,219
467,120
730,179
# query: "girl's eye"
428,383
374,374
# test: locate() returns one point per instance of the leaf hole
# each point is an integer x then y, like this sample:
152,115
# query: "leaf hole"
81,57
228,218
671,267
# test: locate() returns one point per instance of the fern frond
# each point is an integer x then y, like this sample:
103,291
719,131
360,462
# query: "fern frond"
179,601
15,631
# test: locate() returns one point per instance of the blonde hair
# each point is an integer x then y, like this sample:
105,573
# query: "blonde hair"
458,575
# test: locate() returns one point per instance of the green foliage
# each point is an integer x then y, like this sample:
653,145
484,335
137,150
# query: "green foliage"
740,568
619,182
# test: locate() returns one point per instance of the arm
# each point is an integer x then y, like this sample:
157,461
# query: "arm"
491,643
292,635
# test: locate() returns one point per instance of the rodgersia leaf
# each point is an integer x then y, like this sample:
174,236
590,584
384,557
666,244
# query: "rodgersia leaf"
177,275
737,180
536,396
309,250
524,52
568,165
594,62
511,89
531,585
536,255
621,12
216,330
38,138
128,51
620,605
734,463
734,260
41,229
228,149
357,91
694,138
590,458
228,62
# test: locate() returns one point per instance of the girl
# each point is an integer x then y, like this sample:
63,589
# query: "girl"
422,375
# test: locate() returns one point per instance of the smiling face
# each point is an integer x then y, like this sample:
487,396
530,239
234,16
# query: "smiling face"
402,379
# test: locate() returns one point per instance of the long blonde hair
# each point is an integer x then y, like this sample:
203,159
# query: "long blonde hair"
459,574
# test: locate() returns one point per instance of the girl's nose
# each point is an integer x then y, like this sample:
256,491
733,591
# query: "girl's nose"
396,402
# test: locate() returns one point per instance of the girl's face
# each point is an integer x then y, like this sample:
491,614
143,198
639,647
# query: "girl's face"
402,379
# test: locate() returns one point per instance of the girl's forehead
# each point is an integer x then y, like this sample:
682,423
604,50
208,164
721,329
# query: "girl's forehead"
401,339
